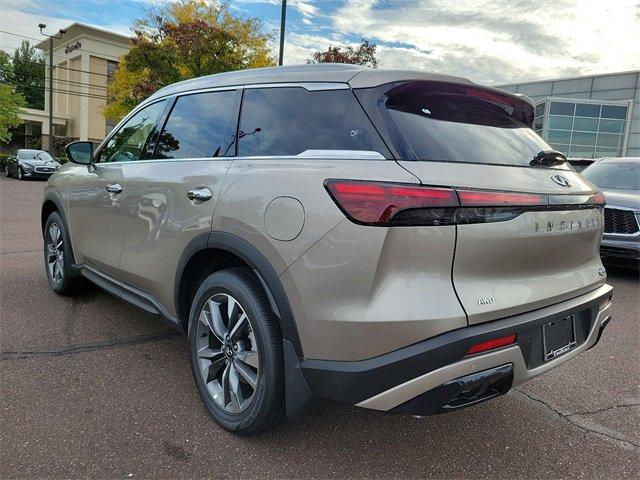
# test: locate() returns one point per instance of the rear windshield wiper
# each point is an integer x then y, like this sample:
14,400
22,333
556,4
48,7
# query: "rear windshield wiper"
547,158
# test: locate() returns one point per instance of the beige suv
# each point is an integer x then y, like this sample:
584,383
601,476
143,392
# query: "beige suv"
396,240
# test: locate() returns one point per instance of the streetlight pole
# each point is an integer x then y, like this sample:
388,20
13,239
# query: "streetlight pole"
58,35
283,18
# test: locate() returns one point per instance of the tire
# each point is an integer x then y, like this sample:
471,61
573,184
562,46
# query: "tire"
6,171
62,277
253,409
20,177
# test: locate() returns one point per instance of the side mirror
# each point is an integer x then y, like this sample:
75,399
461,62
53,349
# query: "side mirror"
80,152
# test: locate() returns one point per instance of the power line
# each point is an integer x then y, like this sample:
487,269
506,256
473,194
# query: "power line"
77,94
64,68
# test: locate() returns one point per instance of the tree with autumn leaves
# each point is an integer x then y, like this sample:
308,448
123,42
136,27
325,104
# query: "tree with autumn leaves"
183,40
364,54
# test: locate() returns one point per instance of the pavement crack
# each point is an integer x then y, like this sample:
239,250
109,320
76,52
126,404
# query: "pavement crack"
586,426
90,347
600,410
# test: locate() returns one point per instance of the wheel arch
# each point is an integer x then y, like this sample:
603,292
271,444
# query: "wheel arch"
208,253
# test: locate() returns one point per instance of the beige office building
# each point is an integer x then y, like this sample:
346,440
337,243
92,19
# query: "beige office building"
84,60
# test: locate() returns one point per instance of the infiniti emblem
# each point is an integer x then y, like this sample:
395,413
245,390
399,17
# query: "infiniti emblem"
560,180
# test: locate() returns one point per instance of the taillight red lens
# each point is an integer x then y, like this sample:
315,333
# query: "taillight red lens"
599,199
475,198
492,344
377,202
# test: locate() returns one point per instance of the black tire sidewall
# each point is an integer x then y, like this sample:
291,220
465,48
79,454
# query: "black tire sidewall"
269,396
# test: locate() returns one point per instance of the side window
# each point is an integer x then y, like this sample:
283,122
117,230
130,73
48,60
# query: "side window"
201,125
288,121
129,142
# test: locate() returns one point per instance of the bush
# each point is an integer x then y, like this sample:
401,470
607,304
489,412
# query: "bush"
3,160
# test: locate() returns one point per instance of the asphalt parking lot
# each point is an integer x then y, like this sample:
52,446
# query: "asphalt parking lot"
91,387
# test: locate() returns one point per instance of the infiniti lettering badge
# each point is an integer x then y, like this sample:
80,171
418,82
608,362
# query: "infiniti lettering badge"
560,180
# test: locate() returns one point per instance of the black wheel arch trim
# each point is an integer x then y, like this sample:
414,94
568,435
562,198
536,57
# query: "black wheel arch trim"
268,277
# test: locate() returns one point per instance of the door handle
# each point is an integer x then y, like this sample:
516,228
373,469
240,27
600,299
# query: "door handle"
201,194
114,188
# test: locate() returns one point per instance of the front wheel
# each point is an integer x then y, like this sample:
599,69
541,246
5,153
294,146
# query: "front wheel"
6,170
63,279
20,176
235,348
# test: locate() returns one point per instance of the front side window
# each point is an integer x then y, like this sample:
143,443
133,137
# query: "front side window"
201,125
129,142
288,121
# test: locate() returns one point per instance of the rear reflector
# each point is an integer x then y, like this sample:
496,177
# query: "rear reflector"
375,203
492,344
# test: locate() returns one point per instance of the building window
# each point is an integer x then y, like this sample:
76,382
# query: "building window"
111,70
583,130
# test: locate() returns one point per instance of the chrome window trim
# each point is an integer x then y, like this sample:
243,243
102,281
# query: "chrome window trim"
306,155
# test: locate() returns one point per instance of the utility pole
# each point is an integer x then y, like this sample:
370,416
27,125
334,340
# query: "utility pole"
283,18
58,35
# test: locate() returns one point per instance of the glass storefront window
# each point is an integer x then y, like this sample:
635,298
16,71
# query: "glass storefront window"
609,140
614,111
539,112
560,123
585,124
583,138
611,126
561,148
559,136
581,152
562,108
587,110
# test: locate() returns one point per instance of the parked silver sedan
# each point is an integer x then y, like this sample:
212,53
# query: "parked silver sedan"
619,179
30,163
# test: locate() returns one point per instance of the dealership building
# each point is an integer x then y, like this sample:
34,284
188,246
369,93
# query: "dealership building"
587,117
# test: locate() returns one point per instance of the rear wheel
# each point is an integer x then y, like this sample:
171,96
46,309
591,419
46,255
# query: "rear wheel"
63,279
235,349
6,170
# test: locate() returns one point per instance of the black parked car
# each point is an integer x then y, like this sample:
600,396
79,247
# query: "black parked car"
26,163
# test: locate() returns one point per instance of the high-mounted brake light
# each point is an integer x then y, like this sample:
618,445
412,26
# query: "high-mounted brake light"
376,203
492,344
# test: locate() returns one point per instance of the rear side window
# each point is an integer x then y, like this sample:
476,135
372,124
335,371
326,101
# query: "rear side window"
201,125
289,121
459,123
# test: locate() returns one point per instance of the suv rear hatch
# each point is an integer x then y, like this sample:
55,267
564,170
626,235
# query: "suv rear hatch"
529,226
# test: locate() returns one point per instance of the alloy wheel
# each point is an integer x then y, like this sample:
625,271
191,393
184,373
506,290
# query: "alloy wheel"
19,173
228,353
55,253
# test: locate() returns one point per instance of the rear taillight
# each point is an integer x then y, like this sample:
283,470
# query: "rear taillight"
376,203
396,204
492,344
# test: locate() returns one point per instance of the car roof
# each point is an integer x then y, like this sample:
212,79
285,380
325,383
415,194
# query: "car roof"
355,75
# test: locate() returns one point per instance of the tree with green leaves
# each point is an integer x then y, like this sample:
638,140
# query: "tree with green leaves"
26,73
11,103
364,55
183,40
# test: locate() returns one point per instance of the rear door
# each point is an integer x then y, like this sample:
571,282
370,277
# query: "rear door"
171,195
528,231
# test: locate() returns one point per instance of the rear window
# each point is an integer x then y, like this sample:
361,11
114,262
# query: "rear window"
290,120
457,123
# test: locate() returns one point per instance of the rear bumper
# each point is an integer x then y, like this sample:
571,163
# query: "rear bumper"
436,375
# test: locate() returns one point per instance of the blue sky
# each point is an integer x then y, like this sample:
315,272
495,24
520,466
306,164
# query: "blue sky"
490,41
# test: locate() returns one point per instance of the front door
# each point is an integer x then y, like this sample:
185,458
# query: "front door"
95,193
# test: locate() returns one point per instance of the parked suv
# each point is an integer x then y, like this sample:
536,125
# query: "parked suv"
401,241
